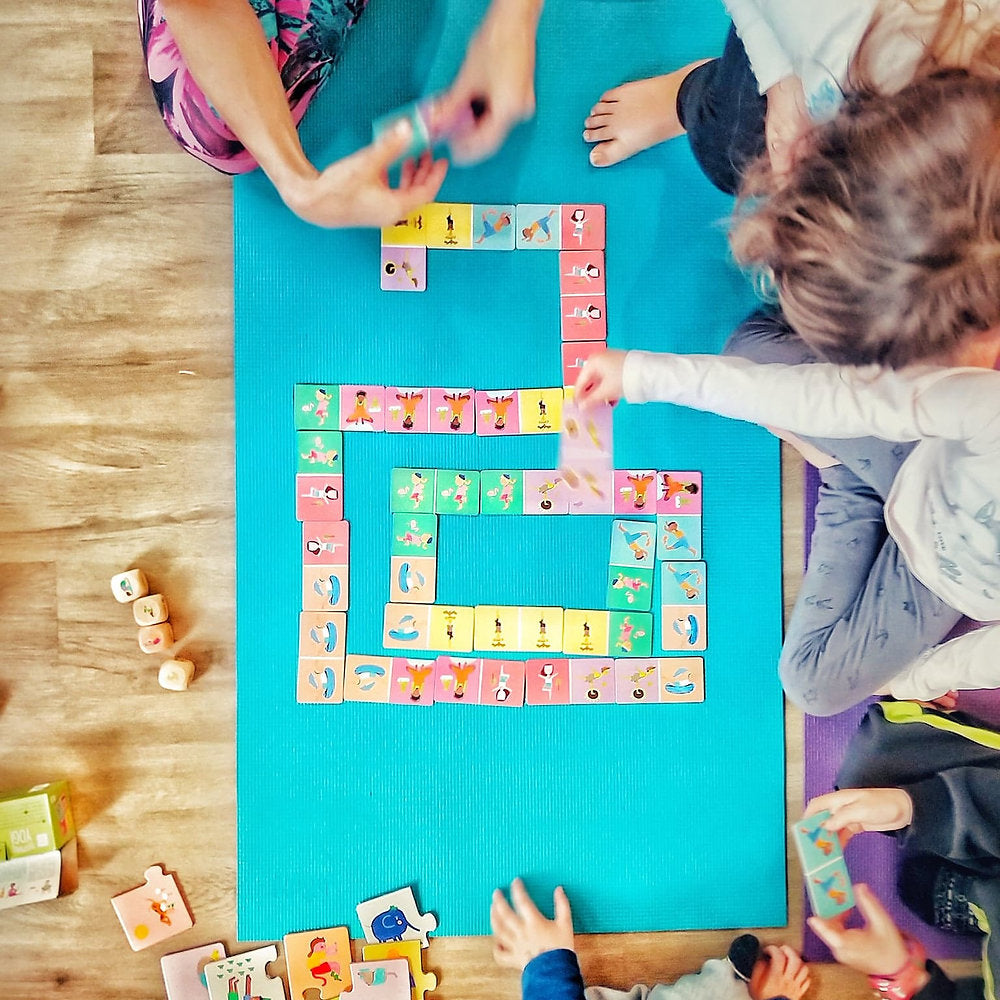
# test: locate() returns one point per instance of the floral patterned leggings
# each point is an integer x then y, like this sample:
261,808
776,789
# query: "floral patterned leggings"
306,38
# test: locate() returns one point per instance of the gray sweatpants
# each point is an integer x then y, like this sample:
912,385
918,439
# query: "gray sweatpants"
861,615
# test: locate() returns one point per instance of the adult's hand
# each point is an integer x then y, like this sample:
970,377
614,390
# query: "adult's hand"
497,79
355,191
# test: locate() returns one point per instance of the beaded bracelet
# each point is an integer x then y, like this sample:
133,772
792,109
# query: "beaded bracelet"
902,985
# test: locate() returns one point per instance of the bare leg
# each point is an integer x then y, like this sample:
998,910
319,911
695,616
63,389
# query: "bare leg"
635,116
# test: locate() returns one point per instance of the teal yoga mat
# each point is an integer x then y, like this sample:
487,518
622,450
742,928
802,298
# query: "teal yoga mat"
653,817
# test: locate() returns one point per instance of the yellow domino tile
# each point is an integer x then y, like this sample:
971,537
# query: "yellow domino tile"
540,411
541,630
410,231
448,226
496,629
451,628
585,632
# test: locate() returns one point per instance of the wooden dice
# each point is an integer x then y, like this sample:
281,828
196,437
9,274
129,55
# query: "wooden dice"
156,634
175,675
129,585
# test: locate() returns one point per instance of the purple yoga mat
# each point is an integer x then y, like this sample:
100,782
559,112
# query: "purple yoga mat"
872,857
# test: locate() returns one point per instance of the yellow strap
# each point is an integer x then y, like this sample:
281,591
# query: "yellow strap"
909,711
989,986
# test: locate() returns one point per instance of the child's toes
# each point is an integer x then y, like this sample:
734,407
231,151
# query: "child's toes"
608,153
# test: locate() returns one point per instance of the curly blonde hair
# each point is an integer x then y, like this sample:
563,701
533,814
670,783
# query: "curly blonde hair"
883,242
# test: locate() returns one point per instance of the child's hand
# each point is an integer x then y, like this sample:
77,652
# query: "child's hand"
355,191
786,123
600,379
853,810
779,972
877,948
521,933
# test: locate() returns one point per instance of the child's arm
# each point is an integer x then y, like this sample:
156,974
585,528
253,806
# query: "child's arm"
768,59
817,400
971,661
541,948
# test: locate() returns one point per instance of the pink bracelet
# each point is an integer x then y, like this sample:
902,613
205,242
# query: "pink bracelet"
902,985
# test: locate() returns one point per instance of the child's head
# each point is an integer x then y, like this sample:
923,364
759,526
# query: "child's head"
883,241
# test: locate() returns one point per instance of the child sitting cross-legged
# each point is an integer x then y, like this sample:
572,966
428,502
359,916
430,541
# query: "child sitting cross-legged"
543,949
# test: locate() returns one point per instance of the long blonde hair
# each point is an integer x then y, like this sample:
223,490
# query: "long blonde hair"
910,39
883,242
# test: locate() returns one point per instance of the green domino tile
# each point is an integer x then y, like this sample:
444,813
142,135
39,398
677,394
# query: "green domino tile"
414,534
412,491
630,633
503,491
630,588
317,407
320,452
457,491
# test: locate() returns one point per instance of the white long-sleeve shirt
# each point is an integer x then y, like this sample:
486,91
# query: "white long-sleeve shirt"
967,662
944,507
813,41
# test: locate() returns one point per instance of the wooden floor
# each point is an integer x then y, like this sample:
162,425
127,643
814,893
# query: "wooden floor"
116,443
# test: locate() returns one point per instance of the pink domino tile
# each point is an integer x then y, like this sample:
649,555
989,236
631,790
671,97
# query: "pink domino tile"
407,409
458,679
545,492
581,272
404,269
413,681
574,357
362,407
637,682
583,317
453,411
595,497
583,227
678,492
635,491
592,681
325,543
497,412
319,498
503,683
546,681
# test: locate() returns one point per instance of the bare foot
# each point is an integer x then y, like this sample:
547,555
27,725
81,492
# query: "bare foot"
635,116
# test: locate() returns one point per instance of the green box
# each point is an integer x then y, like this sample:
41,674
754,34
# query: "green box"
35,820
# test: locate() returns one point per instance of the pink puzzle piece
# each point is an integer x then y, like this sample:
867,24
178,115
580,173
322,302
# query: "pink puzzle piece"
184,971
153,912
